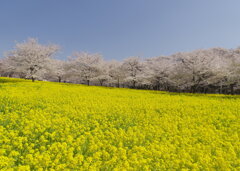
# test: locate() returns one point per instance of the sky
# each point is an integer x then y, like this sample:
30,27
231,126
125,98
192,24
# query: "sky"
118,29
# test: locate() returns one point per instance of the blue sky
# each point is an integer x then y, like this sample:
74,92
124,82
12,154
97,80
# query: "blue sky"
121,28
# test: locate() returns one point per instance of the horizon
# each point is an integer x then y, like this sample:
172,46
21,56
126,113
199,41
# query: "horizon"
118,30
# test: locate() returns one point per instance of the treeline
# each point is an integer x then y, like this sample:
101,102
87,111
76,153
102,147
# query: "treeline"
215,70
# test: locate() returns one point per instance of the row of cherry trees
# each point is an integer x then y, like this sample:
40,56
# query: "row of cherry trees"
215,70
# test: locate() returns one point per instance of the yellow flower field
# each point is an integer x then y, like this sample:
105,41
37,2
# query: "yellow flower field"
57,126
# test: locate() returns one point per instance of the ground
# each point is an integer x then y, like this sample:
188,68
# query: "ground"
59,126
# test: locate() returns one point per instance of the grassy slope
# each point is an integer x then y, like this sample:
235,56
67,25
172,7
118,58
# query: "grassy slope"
59,126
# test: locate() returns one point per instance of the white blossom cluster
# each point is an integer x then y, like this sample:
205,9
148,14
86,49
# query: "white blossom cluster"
214,70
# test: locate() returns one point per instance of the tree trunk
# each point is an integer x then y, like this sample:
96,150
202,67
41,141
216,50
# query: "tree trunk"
10,75
221,87
167,88
118,84
193,89
59,79
158,87
134,84
232,88
88,82
33,79
205,90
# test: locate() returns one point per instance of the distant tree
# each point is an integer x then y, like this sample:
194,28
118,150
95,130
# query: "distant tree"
85,65
57,71
158,70
1,67
102,76
116,73
214,70
194,68
228,68
31,58
133,69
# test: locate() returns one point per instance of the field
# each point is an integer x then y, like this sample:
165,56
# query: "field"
57,126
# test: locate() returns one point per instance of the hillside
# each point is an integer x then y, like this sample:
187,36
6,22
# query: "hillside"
46,125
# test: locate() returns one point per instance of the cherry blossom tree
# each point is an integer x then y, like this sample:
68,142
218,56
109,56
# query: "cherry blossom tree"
102,75
31,58
214,70
57,71
116,73
194,68
158,70
85,65
133,69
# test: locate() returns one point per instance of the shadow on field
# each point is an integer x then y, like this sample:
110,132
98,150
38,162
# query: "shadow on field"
216,96
11,80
